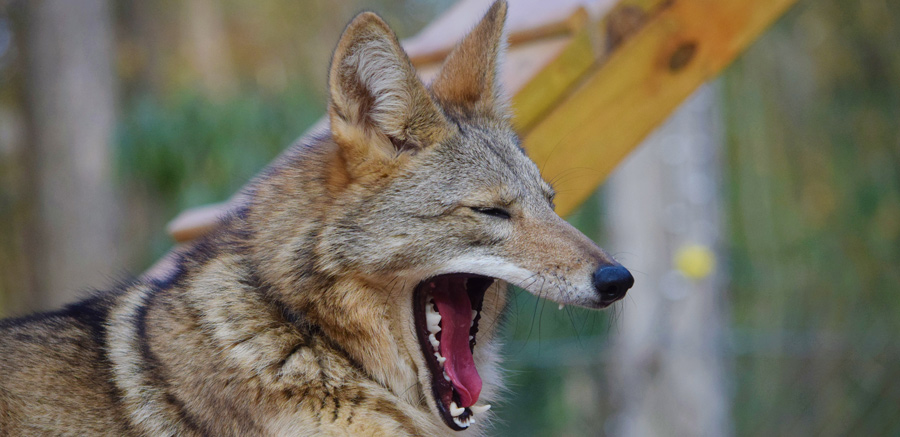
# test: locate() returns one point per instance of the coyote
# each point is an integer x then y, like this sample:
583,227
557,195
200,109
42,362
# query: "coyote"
357,291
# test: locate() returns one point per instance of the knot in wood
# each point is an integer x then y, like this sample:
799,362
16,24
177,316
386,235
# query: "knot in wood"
682,56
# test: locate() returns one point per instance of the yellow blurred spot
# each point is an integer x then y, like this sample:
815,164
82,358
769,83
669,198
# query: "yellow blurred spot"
695,261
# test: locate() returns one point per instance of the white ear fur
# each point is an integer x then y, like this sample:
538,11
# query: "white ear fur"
381,75
375,88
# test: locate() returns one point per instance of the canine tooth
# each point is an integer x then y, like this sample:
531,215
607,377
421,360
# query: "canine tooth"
456,411
446,376
480,409
434,341
561,306
440,359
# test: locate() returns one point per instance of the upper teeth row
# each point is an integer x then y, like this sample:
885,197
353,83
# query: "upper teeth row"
433,320
474,410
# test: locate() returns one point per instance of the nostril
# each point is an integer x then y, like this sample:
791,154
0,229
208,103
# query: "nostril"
612,282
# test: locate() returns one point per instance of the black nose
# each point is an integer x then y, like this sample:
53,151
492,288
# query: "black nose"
612,282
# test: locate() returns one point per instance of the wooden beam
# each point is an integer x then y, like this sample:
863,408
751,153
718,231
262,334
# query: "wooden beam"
546,88
683,44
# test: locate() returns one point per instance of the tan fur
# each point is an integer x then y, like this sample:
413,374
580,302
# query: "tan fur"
296,318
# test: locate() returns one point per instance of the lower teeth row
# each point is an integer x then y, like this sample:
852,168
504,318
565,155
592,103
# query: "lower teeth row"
464,423
456,412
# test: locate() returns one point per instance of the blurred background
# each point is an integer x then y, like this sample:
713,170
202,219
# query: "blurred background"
762,221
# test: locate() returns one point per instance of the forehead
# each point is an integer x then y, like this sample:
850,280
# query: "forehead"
491,155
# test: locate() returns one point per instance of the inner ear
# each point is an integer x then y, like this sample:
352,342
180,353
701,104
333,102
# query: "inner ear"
376,98
404,145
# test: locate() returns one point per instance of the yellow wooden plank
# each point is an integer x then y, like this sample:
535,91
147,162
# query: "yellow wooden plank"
643,80
626,18
197,221
547,87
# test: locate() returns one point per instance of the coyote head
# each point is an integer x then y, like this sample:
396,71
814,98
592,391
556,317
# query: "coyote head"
430,195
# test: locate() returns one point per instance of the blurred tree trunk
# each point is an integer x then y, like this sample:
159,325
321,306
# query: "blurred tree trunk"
149,37
71,108
207,46
14,277
667,363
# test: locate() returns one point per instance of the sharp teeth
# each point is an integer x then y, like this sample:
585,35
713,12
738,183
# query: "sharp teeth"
456,411
470,420
434,341
471,337
474,313
432,319
440,359
446,376
480,409
561,306
460,423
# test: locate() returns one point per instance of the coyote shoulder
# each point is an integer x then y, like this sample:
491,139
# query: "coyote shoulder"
357,291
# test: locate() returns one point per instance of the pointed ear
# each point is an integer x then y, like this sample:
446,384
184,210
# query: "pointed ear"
468,78
377,101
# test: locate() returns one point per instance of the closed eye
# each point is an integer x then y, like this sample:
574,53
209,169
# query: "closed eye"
493,212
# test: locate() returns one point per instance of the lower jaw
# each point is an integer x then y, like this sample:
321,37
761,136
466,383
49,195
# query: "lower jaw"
443,392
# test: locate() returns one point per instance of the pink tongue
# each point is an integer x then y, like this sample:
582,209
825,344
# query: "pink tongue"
456,320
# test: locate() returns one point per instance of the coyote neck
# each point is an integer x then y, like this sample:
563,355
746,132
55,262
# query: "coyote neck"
290,209
366,320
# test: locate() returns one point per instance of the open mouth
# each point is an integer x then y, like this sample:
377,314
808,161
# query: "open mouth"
447,309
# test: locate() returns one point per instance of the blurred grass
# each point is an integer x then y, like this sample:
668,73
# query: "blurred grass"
814,206
189,150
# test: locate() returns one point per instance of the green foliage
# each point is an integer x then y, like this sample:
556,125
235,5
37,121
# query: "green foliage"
195,150
192,150
814,192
